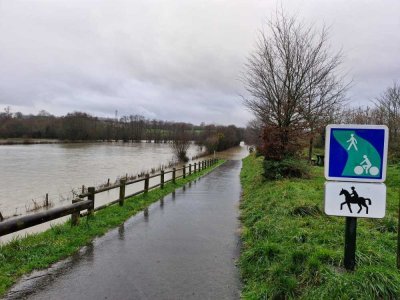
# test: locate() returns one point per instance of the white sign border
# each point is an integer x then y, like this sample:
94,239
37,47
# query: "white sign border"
351,214
355,126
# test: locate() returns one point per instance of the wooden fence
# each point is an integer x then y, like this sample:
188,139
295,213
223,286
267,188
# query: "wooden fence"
86,201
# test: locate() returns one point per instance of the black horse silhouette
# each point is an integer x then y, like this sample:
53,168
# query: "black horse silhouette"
356,200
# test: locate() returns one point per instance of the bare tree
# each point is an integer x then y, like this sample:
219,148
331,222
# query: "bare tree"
389,106
359,115
292,79
180,142
253,132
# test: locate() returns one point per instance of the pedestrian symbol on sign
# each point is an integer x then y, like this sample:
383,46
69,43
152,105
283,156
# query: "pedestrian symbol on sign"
353,142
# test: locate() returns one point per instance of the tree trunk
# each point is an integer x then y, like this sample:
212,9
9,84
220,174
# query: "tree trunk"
310,149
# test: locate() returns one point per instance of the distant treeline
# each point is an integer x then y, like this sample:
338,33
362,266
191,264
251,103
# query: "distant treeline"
84,127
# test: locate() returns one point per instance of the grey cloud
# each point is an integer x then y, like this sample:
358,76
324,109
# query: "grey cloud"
175,60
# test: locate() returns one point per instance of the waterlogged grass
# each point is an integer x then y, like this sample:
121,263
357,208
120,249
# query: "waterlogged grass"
291,249
38,251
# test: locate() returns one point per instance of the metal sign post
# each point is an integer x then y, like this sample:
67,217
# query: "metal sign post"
355,158
350,243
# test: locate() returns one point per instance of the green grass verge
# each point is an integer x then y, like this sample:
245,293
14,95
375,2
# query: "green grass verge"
291,249
38,251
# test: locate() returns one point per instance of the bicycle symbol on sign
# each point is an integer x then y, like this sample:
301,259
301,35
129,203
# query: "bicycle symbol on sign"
367,167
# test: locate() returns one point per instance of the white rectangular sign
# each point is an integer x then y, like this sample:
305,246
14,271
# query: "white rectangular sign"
355,199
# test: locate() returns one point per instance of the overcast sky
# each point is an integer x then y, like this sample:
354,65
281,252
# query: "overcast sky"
172,60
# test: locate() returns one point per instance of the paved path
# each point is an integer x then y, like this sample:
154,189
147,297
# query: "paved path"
185,249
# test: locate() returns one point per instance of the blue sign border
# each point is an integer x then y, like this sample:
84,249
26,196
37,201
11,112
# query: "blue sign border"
375,140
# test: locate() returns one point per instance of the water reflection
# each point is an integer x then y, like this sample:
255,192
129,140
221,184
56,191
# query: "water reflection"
121,232
162,202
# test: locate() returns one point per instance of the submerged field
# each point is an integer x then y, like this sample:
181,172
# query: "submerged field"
291,249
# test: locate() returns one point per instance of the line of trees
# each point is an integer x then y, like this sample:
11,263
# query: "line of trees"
134,128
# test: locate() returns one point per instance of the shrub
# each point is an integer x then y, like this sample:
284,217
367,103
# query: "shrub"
286,168
278,143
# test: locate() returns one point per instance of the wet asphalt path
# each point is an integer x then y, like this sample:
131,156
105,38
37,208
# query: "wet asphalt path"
186,248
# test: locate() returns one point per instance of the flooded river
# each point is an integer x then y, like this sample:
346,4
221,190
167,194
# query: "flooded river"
28,172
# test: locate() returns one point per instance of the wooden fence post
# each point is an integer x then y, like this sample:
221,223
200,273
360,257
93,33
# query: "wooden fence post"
173,175
91,191
162,179
184,171
194,171
122,183
190,169
76,215
46,203
146,184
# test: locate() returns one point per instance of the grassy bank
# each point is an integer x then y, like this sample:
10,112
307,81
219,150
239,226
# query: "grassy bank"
39,251
291,249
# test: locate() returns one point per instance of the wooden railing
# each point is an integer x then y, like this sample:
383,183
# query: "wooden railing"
88,205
